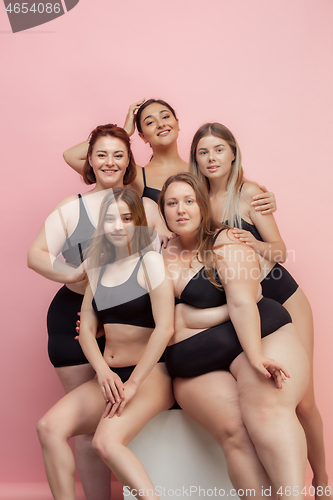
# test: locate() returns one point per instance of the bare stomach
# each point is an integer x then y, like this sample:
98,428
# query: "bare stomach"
125,344
76,287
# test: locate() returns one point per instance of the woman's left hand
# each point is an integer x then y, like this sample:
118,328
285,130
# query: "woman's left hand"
270,369
118,407
245,237
265,203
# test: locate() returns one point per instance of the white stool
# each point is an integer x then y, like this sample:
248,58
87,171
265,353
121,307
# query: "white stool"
182,460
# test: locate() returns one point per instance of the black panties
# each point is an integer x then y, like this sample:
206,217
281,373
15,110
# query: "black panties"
216,348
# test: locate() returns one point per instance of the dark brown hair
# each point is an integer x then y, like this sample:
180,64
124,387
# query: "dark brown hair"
111,131
148,103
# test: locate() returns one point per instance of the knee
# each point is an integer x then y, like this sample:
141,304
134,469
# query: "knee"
231,436
45,429
103,447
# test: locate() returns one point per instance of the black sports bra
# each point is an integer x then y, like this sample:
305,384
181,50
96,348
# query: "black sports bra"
126,304
199,292
251,228
77,244
149,192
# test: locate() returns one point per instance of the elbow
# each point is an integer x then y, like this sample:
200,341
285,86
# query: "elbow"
65,155
282,255
30,260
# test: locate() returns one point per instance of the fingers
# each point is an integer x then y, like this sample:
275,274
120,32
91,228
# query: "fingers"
243,236
264,188
121,407
133,107
278,373
112,391
110,409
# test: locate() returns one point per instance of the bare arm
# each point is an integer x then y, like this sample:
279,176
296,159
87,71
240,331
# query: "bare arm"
129,125
239,273
264,202
162,302
272,248
76,156
110,383
42,254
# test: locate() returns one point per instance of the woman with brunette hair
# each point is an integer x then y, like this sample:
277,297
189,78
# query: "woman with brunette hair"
130,293
216,159
158,126
68,230
211,267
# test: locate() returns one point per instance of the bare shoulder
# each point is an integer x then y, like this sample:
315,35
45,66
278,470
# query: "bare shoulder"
137,184
225,237
250,189
231,249
149,204
153,260
69,201
154,269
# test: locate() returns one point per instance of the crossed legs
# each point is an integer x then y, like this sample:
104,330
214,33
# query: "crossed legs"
79,412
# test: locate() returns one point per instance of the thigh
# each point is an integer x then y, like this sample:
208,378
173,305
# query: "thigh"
153,396
300,311
78,412
211,400
73,376
285,347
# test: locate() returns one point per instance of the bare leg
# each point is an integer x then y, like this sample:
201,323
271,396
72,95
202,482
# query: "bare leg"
94,474
77,413
269,413
112,435
211,400
299,308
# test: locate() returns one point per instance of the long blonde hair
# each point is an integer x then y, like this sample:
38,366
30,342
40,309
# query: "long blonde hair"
236,177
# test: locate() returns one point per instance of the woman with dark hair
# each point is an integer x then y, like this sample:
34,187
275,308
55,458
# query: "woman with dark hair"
216,159
129,292
68,230
210,267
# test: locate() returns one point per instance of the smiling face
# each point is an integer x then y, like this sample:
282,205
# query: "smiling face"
214,157
109,160
159,126
181,210
119,224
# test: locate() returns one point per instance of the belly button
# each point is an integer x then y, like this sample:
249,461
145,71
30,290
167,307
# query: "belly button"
112,356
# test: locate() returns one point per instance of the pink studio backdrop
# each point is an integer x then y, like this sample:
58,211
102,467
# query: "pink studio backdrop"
262,67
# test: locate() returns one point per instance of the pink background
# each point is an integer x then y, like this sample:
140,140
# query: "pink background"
261,67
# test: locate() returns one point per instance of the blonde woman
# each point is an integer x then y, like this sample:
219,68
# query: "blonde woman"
216,159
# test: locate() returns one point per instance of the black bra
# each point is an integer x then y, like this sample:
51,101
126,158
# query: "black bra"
76,245
149,192
199,292
127,304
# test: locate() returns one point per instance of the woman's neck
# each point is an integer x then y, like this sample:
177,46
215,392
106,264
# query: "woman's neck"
217,187
101,187
189,242
124,252
166,155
